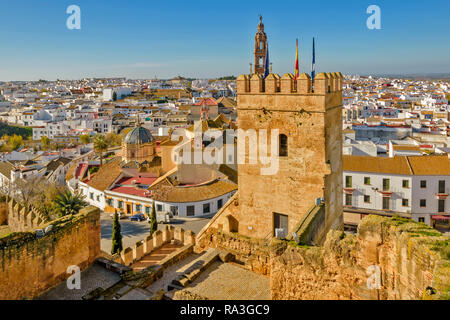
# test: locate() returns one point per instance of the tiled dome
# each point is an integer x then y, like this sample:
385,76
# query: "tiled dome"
139,135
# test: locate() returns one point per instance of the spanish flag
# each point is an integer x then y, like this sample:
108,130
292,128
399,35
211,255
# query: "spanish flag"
296,64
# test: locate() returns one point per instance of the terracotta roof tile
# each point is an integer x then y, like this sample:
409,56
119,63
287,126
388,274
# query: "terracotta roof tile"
165,191
106,175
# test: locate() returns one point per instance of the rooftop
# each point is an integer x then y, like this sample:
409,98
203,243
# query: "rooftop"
401,165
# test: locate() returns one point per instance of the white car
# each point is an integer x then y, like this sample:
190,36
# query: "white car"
162,217
121,215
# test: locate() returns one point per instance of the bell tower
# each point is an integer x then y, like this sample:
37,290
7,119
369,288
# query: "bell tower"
260,48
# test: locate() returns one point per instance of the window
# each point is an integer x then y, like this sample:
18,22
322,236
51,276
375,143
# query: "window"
206,208
441,206
283,152
174,210
367,180
423,203
219,204
147,210
386,201
386,184
441,186
348,181
91,195
367,199
159,207
109,202
281,221
423,184
120,204
405,202
405,183
138,208
422,220
98,198
348,200
190,211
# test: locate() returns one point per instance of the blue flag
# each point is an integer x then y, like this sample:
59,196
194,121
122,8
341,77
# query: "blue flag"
266,64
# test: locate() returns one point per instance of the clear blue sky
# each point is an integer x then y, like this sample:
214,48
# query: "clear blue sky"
200,38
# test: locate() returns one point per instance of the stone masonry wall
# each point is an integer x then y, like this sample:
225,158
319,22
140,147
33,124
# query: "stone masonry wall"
31,265
312,167
20,219
3,213
411,257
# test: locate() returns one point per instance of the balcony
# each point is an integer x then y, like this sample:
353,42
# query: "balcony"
442,193
385,193
349,190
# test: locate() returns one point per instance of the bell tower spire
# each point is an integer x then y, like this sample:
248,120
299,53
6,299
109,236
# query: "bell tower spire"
260,48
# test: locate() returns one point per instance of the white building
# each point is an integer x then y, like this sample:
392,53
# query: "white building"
121,92
415,187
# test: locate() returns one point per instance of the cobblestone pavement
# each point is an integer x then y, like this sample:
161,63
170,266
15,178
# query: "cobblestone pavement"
227,281
93,277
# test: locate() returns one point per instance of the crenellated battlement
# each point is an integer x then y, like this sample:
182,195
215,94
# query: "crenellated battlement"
324,83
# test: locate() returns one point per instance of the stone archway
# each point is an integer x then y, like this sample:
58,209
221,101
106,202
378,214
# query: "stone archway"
233,224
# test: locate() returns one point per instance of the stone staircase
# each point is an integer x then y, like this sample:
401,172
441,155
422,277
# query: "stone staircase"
192,270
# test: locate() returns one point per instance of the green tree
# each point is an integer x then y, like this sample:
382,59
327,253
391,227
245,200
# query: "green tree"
85,138
114,96
153,221
15,142
113,139
66,203
45,142
100,146
116,235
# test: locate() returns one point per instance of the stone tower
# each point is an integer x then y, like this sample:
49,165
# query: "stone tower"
260,48
309,120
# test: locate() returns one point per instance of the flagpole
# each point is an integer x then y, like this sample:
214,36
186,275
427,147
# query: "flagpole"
266,63
296,61
313,66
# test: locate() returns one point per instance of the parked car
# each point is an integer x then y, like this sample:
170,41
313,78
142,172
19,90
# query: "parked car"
162,217
121,215
138,217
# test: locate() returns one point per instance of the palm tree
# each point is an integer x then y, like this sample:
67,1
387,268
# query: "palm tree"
100,145
66,203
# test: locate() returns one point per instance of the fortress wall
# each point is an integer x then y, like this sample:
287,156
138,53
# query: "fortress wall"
20,219
410,256
30,265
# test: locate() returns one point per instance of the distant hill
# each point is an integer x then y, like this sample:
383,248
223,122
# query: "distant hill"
227,78
25,132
